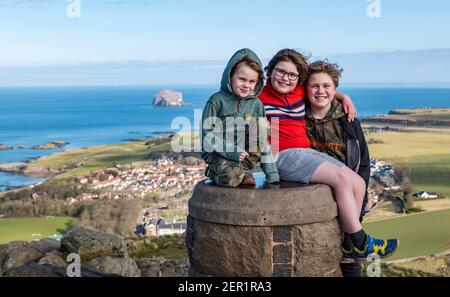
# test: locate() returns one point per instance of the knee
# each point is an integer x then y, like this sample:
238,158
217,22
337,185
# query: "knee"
342,178
228,181
226,173
359,182
229,178
352,179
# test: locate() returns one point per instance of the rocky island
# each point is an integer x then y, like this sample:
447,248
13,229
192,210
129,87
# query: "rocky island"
5,147
51,145
168,98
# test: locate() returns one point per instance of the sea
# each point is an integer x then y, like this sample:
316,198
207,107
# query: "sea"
88,116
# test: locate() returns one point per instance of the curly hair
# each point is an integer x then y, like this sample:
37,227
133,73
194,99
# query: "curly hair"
290,55
323,66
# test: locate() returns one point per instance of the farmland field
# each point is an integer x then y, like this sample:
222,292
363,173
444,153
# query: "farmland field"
31,228
427,154
419,234
440,116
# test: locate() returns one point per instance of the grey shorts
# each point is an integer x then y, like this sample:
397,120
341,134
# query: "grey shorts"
299,164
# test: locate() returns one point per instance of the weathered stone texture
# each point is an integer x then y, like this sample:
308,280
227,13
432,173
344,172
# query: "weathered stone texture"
223,250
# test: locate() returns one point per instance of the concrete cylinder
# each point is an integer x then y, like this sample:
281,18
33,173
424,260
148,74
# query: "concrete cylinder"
254,232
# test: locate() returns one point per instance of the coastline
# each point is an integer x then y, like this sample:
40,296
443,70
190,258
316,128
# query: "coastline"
399,127
421,119
13,168
49,166
43,168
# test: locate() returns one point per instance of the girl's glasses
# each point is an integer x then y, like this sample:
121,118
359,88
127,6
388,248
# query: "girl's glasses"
281,73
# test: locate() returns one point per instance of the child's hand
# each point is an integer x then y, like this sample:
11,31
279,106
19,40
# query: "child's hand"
349,108
242,156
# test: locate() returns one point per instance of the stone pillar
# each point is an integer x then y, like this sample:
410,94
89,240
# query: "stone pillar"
290,231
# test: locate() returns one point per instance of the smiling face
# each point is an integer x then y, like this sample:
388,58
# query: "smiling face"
281,83
244,80
320,90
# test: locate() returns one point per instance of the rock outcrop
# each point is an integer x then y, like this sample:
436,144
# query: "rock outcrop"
17,167
51,145
100,254
159,267
90,244
168,98
118,266
5,147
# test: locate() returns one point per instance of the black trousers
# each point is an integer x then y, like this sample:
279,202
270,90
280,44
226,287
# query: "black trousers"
351,270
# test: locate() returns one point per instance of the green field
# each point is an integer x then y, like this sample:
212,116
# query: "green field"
432,173
427,154
420,234
440,116
23,228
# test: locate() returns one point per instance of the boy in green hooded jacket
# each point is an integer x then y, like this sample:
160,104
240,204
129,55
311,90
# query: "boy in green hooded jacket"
234,125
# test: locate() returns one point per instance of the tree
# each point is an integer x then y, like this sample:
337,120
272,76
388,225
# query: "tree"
24,194
408,190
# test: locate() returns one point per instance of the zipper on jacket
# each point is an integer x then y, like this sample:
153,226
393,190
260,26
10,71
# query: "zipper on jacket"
238,105
359,156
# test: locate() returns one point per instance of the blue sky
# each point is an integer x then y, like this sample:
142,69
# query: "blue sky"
39,32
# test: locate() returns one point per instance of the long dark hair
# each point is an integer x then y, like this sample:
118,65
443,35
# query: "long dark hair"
290,55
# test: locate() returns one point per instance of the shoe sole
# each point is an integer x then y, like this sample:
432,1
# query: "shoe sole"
248,182
348,261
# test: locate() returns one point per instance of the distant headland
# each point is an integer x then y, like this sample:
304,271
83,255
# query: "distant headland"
423,117
57,144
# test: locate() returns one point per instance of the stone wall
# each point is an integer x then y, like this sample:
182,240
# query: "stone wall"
290,231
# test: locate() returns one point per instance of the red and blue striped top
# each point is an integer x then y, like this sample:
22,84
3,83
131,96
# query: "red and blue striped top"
286,113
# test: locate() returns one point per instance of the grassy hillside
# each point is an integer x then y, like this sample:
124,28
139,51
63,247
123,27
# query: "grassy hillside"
23,228
420,234
426,153
83,161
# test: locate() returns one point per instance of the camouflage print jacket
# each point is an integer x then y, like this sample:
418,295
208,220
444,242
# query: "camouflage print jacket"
344,141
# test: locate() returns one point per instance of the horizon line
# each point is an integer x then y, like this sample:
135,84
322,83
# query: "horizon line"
100,62
342,85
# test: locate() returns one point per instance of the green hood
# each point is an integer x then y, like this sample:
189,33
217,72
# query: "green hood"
225,85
